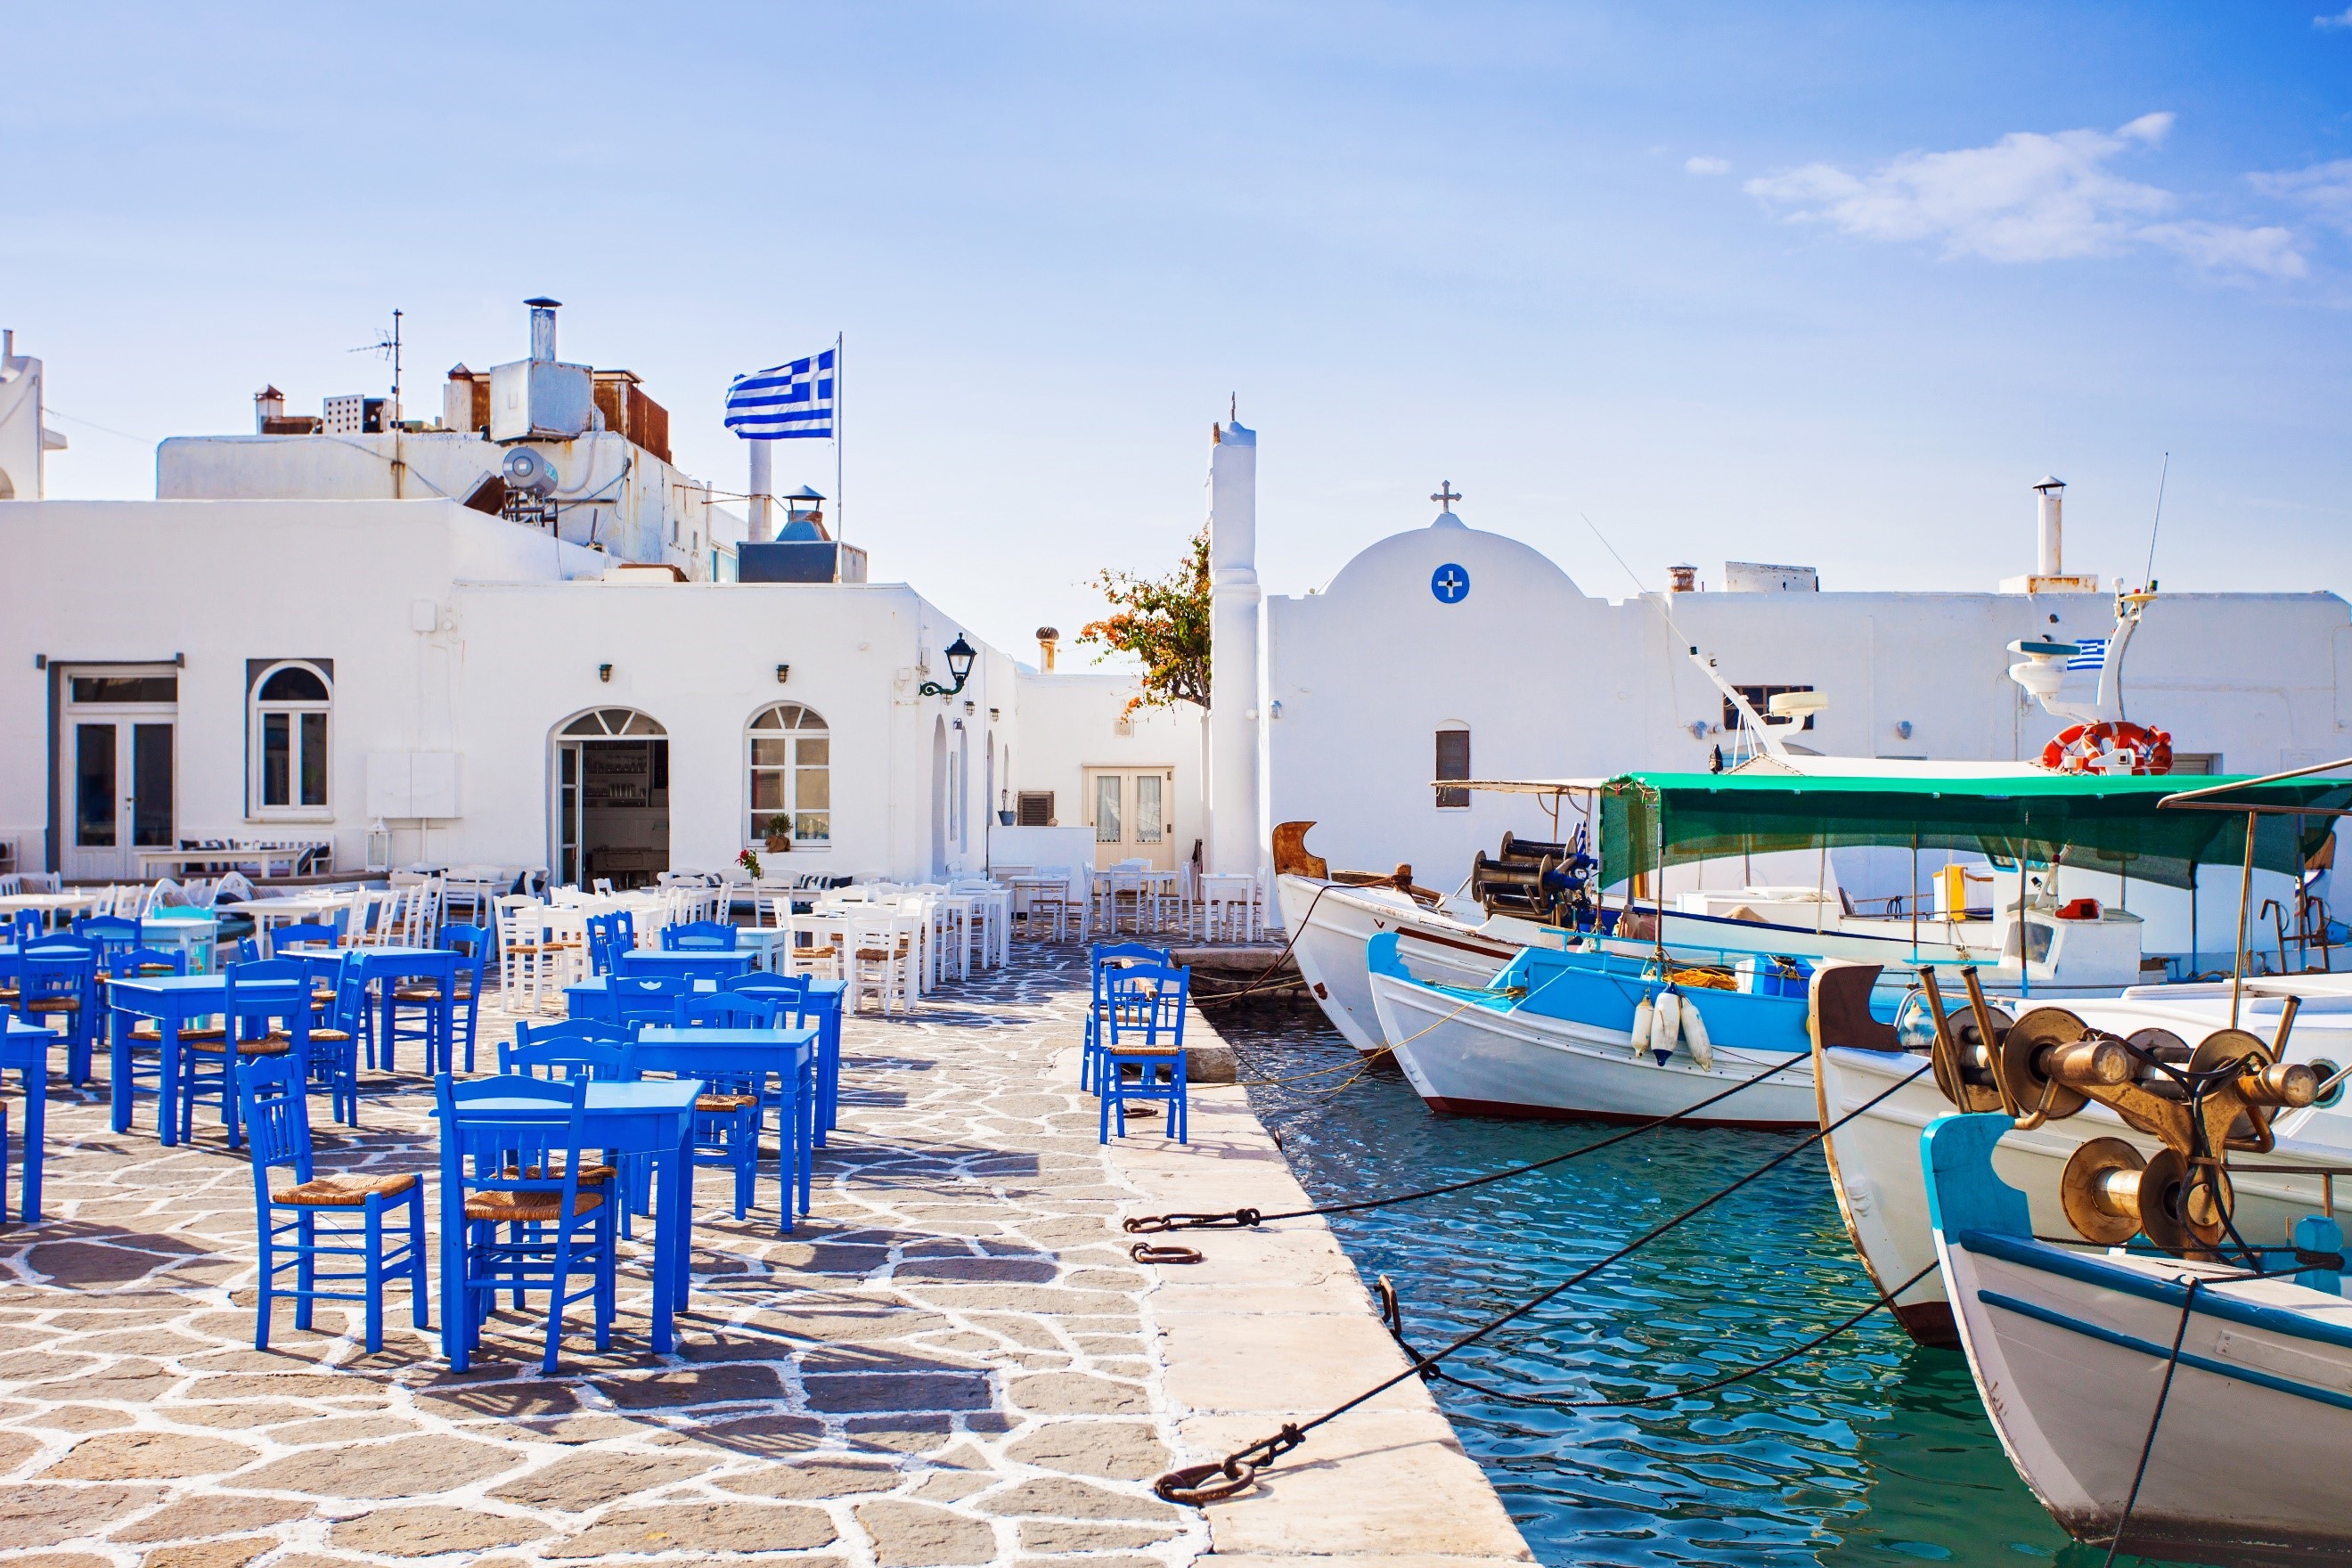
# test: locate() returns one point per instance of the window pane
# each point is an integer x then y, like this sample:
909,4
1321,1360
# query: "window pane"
1452,762
815,751
767,791
812,788
295,683
770,753
1107,808
126,689
314,758
276,764
94,786
1147,808
812,826
151,787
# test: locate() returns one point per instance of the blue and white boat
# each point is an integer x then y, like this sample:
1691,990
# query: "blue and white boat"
2071,1351
1597,1034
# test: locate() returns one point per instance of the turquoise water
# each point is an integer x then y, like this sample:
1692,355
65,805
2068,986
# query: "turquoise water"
1869,1452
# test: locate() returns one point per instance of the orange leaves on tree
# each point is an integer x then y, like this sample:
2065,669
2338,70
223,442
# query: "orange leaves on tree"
1164,621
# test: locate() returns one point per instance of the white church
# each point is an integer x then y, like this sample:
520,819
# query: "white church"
518,635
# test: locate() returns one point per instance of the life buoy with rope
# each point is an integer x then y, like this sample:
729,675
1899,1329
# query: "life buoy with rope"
2118,747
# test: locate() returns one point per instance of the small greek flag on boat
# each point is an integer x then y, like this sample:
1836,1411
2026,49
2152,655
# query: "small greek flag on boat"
2090,653
784,402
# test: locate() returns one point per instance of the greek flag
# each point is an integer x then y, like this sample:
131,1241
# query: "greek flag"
2092,653
784,402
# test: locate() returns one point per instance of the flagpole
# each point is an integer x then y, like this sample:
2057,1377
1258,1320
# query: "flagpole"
839,362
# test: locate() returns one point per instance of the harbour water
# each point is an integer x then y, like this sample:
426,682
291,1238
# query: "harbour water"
1869,1450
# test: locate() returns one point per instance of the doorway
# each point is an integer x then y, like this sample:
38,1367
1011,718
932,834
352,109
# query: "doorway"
1129,809
612,799
118,769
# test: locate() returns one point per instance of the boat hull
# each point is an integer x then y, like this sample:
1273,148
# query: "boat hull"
2069,1352
1475,1059
1330,923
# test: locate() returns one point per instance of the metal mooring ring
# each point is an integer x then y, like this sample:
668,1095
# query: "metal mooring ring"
1144,1252
1197,1484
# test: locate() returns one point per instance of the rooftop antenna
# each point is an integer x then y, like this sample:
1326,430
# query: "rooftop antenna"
387,344
1232,408
2162,474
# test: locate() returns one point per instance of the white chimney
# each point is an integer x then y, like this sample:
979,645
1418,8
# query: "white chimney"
2050,536
543,328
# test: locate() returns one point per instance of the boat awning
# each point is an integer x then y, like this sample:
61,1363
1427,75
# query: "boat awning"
2103,823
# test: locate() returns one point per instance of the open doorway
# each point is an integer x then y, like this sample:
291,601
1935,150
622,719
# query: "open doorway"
612,799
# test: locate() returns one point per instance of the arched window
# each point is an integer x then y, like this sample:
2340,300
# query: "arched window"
600,722
291,703
790,762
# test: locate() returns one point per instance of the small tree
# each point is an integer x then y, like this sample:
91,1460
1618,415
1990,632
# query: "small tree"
1164,621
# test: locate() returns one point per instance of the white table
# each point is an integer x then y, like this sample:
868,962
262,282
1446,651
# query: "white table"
48,905
294,908
1159,886
1063,886
259,863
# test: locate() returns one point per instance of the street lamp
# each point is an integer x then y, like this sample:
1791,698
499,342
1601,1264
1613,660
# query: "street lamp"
959,657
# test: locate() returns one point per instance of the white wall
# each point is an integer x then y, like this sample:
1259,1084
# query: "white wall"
1069,723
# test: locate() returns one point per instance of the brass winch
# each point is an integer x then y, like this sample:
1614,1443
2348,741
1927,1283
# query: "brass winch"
2202,1104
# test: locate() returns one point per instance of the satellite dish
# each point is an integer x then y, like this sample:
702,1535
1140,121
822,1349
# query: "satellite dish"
529,471
1795,704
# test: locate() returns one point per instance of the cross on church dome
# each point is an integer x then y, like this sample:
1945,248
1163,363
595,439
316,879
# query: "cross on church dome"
1446,494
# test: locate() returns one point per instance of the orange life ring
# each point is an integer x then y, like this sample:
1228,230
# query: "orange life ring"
2121,747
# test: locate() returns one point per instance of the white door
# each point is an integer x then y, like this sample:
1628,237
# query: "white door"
1129,810
118,768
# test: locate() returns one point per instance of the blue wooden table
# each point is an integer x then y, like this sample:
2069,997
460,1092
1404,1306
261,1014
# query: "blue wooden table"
654,1118
694,962
25,1049
387,967
593,999
789,1054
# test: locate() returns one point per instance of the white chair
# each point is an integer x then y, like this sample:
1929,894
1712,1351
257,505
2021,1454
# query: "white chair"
103,902
518,944
562,940
1224,905
882,960
813,945
232,887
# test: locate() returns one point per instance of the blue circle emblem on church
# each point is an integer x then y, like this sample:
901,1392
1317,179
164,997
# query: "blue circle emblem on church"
1450,583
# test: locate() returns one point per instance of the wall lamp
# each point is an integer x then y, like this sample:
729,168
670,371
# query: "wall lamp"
604,673
959,657
783,673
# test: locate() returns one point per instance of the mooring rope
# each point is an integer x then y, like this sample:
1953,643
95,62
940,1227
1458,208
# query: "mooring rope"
1224,1477
1244,1218
2147,1444
1297,931
1887,1298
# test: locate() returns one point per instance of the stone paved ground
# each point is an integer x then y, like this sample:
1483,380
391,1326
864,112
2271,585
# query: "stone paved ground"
953,1355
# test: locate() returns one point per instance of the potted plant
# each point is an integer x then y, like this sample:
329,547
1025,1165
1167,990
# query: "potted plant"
779,833
750,864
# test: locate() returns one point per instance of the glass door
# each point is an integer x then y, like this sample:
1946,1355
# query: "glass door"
120,770
567,814
1128,810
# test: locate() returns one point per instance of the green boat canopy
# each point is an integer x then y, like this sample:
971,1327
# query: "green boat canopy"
2100,823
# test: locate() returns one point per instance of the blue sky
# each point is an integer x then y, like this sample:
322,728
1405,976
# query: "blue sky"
1828,283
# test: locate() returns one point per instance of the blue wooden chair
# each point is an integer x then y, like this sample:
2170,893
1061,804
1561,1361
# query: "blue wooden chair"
1110,957
589,1049
726,1010
126,1048
732,1108
334,1056
108,934
788,991
22,927
600,944
311,933
275,1106
1144,1033
248,950
699,936
419,998
521,1174
475,947
645,998
265,1006
57,981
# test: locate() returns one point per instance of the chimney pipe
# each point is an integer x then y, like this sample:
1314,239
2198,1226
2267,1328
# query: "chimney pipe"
1047,638
543,328
2050,530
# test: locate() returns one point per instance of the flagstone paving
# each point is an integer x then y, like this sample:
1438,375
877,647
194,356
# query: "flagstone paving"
955,1353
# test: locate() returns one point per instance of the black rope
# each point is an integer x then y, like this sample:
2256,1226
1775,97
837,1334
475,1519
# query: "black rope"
1262,974
2147,1444
1182,1486
1148,1224
1887,1298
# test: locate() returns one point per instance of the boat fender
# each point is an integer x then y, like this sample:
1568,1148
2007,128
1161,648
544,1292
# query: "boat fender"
1644,1019
1702,1049
1665,1025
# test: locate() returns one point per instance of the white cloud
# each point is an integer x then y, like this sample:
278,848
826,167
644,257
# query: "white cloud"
1706,165
2342,19
2030,196
2325,188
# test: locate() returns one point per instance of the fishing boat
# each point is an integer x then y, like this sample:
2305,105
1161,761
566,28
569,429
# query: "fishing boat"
2181,1407
1874,1096
1594,1034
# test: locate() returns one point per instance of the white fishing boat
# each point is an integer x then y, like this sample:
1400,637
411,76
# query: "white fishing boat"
1593,1034
1873,1159
1329,923
2196,1410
